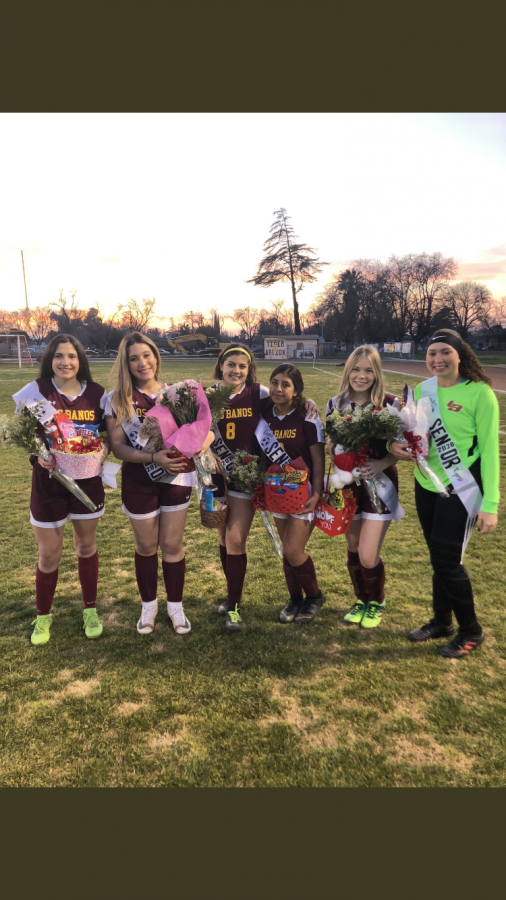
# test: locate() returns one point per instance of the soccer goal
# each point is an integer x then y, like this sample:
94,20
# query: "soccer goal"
14,349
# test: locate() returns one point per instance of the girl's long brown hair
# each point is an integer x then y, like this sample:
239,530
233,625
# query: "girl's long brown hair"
234,349
125,382
378,388
46,363
470,367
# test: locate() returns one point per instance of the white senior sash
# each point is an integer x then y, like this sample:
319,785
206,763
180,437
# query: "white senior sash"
389,496
31,397
131,429
268,443
460,477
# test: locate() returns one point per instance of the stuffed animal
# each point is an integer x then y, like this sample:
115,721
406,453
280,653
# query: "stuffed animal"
345,468
150,429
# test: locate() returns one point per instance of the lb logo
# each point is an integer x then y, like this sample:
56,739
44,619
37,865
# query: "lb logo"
454,406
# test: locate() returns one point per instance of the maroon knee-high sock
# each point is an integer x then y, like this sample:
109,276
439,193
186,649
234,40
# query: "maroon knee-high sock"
173,575
306,576
294,588
45,586
223,557
357,577
375,582
236,573
146,573
88,576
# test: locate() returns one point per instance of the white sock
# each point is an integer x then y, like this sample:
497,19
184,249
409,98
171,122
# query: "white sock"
172,607
150,605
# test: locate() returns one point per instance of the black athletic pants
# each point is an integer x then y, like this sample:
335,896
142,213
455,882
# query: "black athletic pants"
443,522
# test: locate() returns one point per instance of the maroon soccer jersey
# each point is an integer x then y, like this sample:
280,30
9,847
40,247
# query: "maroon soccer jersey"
238,423
296,433
85,411
50,501
136,472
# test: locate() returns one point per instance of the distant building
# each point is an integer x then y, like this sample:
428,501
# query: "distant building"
290,346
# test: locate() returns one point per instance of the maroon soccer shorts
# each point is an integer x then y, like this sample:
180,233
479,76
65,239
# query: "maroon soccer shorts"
51,504
143,501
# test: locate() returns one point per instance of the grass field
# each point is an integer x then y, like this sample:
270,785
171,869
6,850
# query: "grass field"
319,705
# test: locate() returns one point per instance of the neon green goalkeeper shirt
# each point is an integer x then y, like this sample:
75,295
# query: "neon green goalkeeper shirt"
470,414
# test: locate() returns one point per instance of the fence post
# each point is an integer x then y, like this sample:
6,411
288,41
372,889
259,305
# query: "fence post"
19,350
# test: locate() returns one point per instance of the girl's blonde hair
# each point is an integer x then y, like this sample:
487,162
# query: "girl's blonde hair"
125,382
378,388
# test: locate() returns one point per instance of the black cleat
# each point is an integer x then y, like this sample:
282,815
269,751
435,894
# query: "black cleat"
431,630
310,608
291,609
461,645
223,607
233,621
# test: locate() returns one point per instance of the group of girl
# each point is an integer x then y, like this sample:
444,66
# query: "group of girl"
156,488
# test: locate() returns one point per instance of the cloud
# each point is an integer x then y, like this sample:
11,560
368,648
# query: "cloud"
482,271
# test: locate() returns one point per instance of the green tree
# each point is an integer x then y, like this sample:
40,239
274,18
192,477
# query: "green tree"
285,260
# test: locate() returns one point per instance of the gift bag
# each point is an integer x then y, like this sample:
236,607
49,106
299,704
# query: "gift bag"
335,517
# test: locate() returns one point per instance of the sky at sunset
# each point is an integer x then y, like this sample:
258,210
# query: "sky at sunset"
177,206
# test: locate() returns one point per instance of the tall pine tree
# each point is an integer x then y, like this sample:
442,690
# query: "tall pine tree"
285,260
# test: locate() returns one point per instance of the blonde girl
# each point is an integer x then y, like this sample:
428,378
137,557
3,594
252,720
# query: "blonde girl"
362,384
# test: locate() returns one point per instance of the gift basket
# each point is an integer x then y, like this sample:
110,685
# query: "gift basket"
286,489
75,456
213,509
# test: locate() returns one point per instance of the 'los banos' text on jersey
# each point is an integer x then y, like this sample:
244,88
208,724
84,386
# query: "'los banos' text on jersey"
85,411
238,423
297,433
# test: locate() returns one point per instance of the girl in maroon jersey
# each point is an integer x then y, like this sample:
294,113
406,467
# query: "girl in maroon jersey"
300,437
155,488
65,381
362,384
236,431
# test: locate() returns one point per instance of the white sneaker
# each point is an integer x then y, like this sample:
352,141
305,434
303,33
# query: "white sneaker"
179,621
146,623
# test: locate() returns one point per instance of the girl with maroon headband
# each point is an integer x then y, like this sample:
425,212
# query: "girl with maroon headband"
65,381
236,431
155,488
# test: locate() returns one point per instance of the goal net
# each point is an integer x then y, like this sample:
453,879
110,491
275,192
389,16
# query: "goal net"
14,350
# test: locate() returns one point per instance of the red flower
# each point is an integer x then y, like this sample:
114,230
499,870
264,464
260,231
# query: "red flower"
348,418
247,459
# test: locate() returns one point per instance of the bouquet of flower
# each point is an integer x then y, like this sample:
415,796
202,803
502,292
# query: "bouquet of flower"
184,419
413,418
21,431
350,433
219,399
247,477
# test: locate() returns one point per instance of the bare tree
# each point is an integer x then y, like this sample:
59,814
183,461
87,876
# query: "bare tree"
285,260
249,319
137,315
470,303
40,323
67,314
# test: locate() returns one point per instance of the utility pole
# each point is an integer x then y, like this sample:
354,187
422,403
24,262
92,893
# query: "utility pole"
24,279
